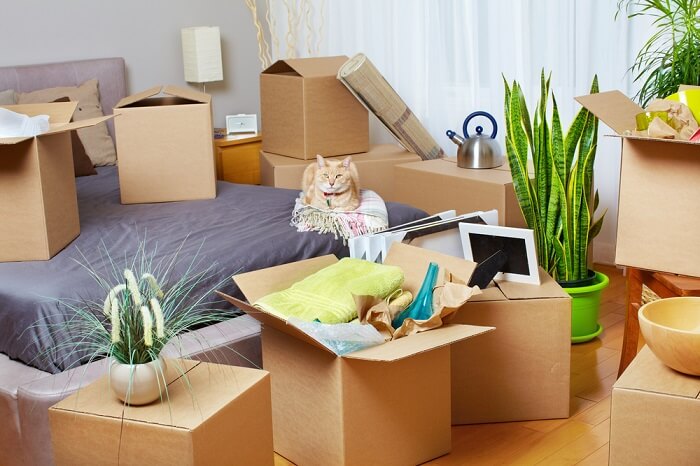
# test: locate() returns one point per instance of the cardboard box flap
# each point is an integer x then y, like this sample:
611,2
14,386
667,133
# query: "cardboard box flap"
259,283
688,87
647,373
419,343
414,262
645,138
77,125
189,94
548,288
132,99
9,141
308,67
273,321
175,91
58,112
613,108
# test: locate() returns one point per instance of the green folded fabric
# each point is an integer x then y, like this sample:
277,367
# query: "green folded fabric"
327,295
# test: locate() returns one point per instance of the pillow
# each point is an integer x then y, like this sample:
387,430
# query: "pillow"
82,165
98,144
8,97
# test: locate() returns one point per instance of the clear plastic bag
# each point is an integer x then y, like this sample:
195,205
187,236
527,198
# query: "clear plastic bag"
340,338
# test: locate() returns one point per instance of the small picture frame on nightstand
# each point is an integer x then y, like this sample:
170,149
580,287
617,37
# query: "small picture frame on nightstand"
241,123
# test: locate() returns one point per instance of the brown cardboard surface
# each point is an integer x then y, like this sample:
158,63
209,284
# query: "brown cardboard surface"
376,169
657,216
306,111
38,201
439,185
222,417
337,411
165,147
655,415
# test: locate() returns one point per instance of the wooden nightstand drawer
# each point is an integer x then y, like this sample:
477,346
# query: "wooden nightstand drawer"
238,158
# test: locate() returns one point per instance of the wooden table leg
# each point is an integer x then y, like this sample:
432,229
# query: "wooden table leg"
635,280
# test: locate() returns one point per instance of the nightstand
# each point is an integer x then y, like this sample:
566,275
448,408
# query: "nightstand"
238,158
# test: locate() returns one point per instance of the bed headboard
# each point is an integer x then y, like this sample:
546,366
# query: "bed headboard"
110,72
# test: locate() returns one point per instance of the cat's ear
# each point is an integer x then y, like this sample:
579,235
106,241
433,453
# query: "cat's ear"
321,161
347,161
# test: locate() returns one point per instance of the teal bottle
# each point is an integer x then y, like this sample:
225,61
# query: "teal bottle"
422,306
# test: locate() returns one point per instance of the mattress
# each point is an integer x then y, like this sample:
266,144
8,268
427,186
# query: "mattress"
245,228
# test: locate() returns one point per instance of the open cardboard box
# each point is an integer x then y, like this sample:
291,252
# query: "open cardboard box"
38,200
306,111
212,415
387,404
655,415
522,370
165,146
658,213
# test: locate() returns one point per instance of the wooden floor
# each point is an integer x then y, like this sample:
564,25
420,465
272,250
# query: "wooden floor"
583,438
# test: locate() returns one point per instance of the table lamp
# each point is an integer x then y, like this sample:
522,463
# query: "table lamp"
201,55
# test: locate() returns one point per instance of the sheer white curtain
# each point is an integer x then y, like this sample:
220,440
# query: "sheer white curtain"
446,59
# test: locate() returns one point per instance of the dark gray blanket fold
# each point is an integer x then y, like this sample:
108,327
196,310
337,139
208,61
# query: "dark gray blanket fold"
244,228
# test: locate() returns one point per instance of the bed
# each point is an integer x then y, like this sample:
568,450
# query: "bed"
245,228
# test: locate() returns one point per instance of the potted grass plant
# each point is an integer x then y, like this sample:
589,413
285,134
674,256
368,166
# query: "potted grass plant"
669,57
557,202
138,316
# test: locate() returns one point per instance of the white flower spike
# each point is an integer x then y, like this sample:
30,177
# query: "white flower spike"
147,326
111,296
153,283
133,287
160,321
116,322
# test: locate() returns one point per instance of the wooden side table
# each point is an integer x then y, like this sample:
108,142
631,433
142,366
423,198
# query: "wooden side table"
665,285
238,158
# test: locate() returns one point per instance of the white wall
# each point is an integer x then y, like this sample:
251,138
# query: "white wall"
145,33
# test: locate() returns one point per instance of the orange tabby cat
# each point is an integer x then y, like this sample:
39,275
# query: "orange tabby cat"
331,185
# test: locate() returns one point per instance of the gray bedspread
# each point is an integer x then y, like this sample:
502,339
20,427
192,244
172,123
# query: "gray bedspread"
245,228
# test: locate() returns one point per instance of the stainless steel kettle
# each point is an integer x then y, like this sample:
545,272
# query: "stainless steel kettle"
479,150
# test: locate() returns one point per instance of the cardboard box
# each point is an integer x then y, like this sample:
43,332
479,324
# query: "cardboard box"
376,169
658,213
165,146
439,185
522,370
388,404
306,111
655,415
221,416
38,201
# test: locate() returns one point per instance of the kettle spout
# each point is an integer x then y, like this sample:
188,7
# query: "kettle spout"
454,137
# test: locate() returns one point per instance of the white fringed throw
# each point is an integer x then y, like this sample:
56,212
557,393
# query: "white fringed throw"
370,217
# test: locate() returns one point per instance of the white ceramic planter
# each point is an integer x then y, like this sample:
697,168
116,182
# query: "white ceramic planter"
138,384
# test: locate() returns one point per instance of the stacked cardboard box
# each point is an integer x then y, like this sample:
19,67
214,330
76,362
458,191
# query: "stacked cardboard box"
307,111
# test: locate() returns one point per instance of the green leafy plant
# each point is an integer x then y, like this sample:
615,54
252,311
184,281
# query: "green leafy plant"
557,203
144,307
669,57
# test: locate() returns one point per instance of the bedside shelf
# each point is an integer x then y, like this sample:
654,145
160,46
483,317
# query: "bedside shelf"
238,158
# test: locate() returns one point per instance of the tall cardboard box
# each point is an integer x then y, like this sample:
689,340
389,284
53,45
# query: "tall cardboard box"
220,415
655,415
440,185
165,146
38,201
376,169
387,404
306,111
519,372
658,214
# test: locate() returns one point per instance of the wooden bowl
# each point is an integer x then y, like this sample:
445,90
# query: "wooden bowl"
671,328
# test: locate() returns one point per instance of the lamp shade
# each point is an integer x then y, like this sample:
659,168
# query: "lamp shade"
201,54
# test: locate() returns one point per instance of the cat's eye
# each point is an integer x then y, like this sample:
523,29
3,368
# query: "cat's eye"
325,175
337,176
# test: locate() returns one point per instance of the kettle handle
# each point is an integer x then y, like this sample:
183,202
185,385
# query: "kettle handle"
479,129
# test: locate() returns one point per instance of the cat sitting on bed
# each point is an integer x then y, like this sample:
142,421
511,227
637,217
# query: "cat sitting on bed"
331,185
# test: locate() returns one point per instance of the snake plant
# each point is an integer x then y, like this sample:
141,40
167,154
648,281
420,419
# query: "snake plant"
557,203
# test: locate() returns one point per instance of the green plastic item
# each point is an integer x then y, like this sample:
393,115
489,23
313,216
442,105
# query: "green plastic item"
585,306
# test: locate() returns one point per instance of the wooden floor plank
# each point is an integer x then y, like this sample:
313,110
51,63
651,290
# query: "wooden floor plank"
580,448
597,458
550,443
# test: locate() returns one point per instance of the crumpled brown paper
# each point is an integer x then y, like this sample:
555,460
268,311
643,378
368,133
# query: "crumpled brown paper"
682,124
449,294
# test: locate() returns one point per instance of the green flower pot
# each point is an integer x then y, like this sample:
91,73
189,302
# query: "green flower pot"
585,306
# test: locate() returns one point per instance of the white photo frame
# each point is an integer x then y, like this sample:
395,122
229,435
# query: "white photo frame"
523,267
